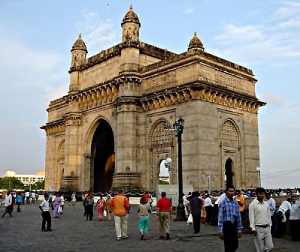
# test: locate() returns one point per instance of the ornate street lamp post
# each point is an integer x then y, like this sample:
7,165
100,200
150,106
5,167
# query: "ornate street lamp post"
178,130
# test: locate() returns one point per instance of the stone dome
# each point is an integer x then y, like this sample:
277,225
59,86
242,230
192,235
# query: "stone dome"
196,43
79,44
131,17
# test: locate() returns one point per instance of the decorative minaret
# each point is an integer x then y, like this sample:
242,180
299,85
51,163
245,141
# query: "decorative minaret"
195,44
79,52
130,27
126,170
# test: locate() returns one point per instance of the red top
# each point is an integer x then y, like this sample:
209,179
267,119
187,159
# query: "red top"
164,205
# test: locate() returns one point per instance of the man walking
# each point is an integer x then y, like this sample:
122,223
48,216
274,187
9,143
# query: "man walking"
120,205
260,222
195,209
8,205
164,208
280,215
295,219
272,206
230,222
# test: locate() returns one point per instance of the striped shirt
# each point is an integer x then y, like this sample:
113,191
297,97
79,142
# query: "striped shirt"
229,211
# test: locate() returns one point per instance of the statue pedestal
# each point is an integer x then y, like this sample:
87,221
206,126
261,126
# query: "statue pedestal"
172,192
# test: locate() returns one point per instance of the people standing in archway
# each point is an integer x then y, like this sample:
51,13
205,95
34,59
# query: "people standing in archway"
120,205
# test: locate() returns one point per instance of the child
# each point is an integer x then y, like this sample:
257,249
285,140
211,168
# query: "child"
143,212
44,206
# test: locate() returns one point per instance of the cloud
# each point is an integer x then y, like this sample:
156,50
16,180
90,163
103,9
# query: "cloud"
287,10
265,40
97,32
34,68
272,99
57,93
188,10
293,22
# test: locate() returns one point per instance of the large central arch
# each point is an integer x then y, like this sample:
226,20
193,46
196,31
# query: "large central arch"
103,157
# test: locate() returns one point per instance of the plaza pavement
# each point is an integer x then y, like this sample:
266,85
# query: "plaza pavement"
71,233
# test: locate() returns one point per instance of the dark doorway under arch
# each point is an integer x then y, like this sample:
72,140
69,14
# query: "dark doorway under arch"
103,157
229,173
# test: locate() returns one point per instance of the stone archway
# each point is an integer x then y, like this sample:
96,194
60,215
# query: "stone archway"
103,158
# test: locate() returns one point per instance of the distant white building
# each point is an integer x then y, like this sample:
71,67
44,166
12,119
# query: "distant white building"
27,179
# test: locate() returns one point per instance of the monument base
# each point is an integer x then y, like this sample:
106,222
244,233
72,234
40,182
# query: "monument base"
172,192
127,180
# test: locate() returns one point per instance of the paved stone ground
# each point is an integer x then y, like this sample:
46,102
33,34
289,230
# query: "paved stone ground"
72,233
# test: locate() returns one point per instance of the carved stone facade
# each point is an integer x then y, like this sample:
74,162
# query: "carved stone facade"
107,132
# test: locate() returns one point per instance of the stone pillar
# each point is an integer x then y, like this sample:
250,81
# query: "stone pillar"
70,181
126,171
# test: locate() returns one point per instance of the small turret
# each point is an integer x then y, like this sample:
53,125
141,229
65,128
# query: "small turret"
130,27
79,52
195,44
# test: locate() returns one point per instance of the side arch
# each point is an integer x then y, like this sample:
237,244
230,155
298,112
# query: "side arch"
230,138
161,146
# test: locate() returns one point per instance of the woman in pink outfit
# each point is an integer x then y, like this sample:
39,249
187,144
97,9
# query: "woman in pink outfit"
101,207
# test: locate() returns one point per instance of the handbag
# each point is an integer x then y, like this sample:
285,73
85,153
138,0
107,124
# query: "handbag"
190,219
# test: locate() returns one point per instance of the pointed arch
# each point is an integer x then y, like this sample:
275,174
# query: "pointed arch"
159,136
230,135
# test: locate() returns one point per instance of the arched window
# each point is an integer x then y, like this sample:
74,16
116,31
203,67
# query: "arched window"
160,136
229,135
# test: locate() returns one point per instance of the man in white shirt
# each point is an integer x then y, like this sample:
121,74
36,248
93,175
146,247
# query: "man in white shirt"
7,204
27,195
295,219
272,206
260,222
208,208
44,206
281,218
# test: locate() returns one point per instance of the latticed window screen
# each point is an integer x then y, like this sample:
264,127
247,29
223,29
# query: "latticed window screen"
229,135
160,135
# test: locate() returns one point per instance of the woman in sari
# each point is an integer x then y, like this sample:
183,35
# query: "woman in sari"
56,204
101,207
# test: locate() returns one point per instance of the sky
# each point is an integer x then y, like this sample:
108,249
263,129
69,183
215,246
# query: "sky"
37,36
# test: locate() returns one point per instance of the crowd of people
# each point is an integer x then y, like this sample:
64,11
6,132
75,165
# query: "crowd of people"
227,212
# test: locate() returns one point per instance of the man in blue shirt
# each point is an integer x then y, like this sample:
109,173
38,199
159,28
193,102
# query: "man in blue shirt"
229,221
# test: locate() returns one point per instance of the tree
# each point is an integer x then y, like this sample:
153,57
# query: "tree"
10,183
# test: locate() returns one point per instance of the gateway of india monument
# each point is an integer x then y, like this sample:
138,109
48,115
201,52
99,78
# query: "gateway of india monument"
108,131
